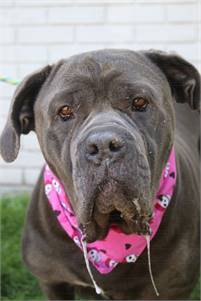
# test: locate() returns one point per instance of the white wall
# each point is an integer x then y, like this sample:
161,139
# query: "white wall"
36,32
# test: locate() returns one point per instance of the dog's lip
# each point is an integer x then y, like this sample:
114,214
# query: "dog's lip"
115,220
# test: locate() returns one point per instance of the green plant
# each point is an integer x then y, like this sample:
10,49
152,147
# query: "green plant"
16,281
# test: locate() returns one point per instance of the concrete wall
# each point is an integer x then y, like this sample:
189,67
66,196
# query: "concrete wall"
36,32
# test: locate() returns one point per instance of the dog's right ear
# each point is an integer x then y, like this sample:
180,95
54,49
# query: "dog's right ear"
21,117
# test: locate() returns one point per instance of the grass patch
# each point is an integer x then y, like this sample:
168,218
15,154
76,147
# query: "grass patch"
17,283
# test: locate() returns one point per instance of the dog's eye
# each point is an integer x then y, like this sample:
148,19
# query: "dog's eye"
65,113
139,104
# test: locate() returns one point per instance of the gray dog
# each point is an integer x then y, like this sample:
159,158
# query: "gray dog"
106,122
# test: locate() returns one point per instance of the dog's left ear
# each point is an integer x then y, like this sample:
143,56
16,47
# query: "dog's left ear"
183,77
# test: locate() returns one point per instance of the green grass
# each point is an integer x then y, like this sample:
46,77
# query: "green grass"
16,281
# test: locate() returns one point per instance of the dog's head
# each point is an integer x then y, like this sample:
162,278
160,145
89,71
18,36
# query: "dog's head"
105,124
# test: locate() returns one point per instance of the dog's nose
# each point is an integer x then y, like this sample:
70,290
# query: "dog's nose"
104,145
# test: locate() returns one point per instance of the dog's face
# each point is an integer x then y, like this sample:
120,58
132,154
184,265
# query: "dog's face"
105,124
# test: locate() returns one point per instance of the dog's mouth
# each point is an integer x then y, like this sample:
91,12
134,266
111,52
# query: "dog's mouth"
113,209
94,231
115,217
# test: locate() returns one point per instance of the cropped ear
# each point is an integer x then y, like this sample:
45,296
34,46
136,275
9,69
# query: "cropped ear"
183,77
21,117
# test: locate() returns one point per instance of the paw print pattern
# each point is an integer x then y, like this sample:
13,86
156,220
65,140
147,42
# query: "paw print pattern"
56,186
48,188
94,255
131,258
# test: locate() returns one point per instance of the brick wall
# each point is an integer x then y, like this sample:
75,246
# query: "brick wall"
36,32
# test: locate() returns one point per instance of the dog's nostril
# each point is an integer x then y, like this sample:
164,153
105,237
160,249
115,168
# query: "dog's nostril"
93,149
115,146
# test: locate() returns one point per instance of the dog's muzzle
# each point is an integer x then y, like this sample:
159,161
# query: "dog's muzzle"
111,178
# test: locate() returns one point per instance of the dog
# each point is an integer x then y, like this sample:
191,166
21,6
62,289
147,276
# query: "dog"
106,122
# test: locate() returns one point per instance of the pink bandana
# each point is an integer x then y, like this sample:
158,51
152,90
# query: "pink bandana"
117,247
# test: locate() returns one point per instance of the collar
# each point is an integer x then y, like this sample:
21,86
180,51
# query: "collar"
117,247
